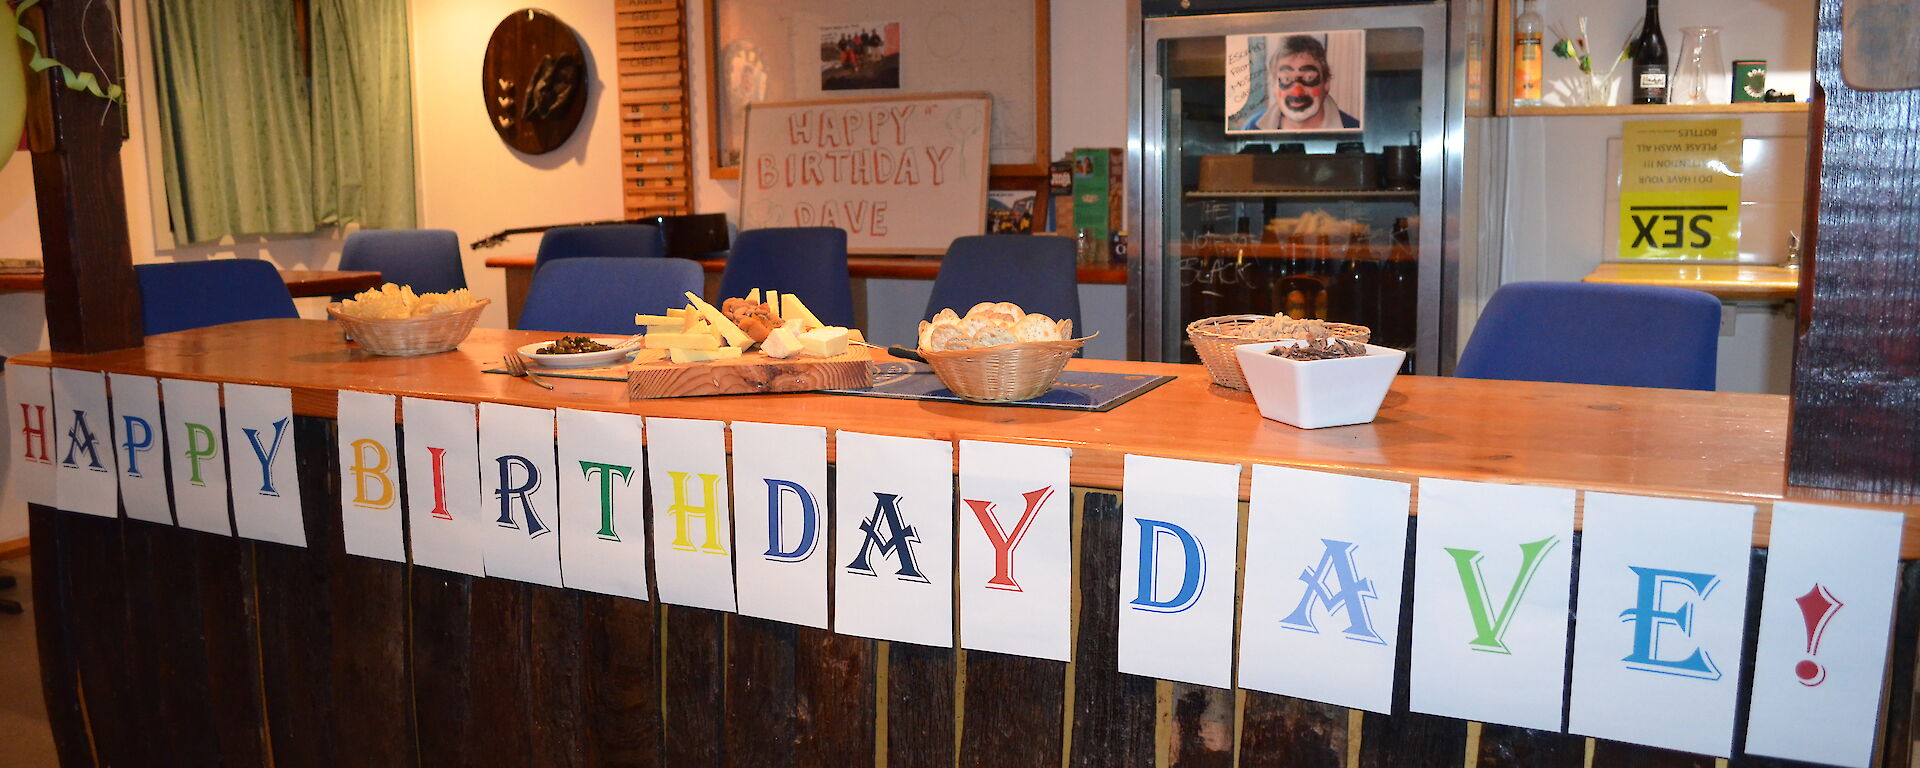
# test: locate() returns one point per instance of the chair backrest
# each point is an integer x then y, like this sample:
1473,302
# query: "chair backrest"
427,259
194,294
1591,333
606,240
809,262
1036,272
600,295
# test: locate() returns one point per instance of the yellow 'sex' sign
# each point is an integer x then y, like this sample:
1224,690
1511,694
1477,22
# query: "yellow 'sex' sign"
1680,189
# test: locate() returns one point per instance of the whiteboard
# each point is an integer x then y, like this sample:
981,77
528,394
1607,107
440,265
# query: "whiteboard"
901,174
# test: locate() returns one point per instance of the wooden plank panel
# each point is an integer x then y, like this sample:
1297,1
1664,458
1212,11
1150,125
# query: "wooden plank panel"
1410,739
1284,732
919,706
637,65
621,657
54,635
501,728
1013,709
164,603
623,6
442,662
651,49
1505,746
693,708
229,621
1202,727
1903,685
558,698
99,636
296,632
760,699
670,109
1112,712
1610,753
654,34
650,80
833,687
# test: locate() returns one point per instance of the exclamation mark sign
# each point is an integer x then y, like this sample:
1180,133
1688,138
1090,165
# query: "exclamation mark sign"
1817,607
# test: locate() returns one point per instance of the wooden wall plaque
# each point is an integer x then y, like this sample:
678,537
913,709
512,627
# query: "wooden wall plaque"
534,80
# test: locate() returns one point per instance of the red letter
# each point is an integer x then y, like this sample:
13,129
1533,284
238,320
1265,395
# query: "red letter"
440,483
766,172
33,432
938,157
900,115
1003,543
800,128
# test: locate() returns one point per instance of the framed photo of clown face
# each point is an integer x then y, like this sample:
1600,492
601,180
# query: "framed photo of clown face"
1297,82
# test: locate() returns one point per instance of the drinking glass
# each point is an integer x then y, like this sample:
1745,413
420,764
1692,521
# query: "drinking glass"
1701,72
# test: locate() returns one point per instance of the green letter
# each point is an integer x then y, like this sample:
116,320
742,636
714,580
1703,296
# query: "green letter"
1489,627
201,446
607,473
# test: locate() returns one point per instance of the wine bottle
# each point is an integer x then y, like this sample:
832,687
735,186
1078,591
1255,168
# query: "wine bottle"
1650,60
1352,296
1526,56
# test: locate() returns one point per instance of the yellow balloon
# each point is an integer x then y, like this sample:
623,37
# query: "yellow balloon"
13,86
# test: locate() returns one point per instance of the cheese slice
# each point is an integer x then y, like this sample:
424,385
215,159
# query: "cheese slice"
773,304
781,344
854,336
733,334
656,320
677,313
681,341
753,296
794,308
649,355
703,355
824,342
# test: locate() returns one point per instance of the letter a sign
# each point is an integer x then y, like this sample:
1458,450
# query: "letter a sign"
893,515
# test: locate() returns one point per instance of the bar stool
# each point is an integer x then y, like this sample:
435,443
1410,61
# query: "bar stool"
1036,272
808,262
1595,333
176,296
426,259
600,295
606,240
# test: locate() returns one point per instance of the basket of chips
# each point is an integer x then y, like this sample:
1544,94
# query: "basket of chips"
1215,337
391,320
997,353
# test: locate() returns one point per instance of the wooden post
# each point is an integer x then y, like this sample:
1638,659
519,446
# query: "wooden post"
93,303
1856,374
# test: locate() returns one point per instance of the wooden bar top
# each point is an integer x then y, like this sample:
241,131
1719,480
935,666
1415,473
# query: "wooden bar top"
898,267
300,282
1706,445
1728,282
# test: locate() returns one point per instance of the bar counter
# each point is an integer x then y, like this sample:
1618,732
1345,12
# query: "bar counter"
253,653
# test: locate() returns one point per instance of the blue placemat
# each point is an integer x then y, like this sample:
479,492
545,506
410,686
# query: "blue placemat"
1075,391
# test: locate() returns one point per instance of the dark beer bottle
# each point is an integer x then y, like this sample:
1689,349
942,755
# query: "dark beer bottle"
1650,60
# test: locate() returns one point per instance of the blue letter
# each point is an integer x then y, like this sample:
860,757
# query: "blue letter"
895,541
1347,592
809,521
1649,614
80,438
134,445
508,492
1192,580
266,456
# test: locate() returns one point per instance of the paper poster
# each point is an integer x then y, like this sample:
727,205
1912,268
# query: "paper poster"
1180,535
516,471
263,464
603,482
1325,558
1016,549
197,460
893,534
446,523
692,526
1665,581
1493,570
371,516
1824,625
780,494
1680,189
1296,82
83,461
30,412
139,444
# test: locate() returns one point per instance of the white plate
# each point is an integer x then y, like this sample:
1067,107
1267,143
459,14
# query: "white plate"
581,359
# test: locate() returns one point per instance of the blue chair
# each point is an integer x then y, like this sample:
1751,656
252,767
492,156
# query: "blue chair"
1036,272
194,294
427,259
1592,333
600,295
809,262
606,240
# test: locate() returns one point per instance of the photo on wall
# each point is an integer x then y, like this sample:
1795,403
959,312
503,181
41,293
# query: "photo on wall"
1011,211
855,57
1297,82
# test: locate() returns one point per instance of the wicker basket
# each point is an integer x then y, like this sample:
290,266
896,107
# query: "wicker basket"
1215,337
407,336
1007,373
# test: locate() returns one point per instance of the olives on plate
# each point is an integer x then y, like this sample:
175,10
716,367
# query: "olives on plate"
573,345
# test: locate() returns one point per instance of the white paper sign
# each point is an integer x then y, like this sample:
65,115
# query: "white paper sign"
371,517
196,456
83,458
603,480
445,521
516,471
1180,535
30,412
893,531
1320,618
780,492
266,483
1016,549
1664,582
1493,568
1824,624
140,447
692,527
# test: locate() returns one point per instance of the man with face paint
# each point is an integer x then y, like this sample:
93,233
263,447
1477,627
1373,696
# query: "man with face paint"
1297,95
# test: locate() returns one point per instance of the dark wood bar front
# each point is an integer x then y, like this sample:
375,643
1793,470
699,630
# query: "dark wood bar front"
238,652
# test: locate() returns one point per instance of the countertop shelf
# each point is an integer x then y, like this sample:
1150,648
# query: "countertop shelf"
1745,107
1384,195
1729,282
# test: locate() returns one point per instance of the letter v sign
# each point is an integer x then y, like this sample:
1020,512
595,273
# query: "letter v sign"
1003,542
1489,627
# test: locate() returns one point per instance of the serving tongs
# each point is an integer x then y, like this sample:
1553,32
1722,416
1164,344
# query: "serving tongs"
517,368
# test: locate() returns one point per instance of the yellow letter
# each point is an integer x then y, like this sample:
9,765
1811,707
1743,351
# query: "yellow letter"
709,508
370,463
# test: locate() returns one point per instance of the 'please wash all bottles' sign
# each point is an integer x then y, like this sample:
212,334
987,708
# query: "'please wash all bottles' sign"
1680,189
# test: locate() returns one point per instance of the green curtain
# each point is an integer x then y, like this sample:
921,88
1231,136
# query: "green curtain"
362,113
234,122
252,146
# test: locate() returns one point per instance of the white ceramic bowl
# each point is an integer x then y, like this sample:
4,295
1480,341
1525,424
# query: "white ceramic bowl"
1311,394
621,348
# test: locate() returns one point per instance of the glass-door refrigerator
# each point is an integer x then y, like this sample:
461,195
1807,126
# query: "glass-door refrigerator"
1297,160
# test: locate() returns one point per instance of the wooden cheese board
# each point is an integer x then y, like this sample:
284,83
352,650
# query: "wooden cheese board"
751,373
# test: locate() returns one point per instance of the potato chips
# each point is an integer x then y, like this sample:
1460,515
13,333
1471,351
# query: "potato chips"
392,302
